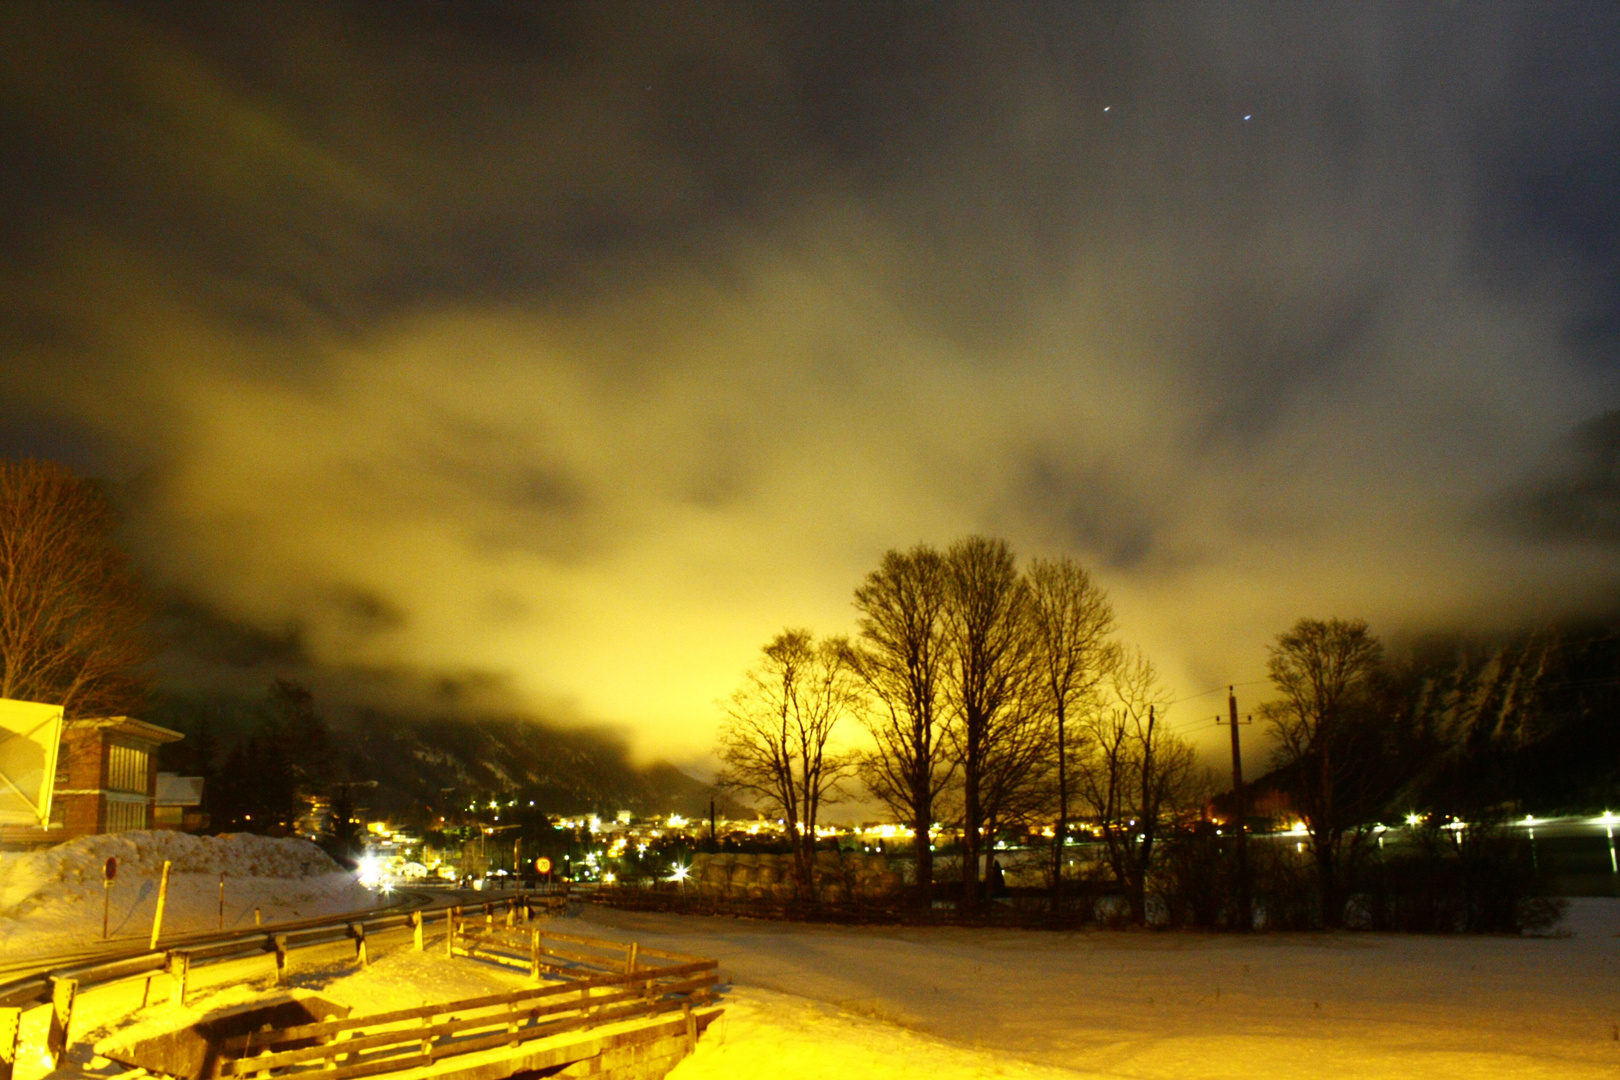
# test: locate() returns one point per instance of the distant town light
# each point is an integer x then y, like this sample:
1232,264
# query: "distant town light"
1414,819
370,871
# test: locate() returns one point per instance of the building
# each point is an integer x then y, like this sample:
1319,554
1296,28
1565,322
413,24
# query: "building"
106,776
106,781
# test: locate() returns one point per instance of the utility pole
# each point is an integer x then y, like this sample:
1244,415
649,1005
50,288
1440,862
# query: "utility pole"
712,845
1245,914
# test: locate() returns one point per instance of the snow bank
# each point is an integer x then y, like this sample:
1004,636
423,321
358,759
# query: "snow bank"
51,900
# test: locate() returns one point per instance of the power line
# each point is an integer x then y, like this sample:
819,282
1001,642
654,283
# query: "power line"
1216,690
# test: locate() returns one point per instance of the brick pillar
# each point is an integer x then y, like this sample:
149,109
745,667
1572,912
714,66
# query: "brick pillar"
86,753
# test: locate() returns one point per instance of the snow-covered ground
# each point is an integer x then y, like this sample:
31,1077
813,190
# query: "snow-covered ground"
951,1004
51,901
819,1001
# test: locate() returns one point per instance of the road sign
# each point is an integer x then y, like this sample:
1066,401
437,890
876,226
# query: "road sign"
109,870
542,865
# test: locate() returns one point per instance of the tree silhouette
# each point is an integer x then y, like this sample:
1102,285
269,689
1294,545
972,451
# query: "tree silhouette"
1327,728
901,658
72,614
774,743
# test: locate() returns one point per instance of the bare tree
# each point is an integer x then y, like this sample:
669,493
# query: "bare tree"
1071,619
1135,775
988,631
901,660
1324,671
71,612
774,742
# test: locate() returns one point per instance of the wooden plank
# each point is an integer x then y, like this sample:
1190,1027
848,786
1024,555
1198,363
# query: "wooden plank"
259,1062
326,1028
545,1058
495,957
488,1042
600,943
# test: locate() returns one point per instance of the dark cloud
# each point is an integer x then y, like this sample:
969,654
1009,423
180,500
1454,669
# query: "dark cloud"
558,354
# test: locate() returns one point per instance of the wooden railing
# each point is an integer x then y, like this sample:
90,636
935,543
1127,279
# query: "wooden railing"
59,987
593,982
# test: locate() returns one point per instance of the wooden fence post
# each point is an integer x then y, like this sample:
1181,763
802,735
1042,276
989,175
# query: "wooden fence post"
10,1028
281,959
450,936
534,959
63,992
416,928
360,953
630,959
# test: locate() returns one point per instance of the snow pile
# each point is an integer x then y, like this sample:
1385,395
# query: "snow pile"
52,900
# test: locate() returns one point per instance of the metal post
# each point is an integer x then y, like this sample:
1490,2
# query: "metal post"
63,991
222,899
416,929
10,1028
1245,908
163,901
179,973
281,959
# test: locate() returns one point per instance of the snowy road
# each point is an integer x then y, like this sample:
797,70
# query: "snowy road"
817,1000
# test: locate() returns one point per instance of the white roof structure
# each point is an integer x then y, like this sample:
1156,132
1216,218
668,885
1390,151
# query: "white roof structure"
30,734
175,790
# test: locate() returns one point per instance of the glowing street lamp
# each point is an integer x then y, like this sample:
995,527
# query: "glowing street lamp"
1608,827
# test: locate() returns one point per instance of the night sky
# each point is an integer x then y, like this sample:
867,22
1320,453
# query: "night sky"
550,358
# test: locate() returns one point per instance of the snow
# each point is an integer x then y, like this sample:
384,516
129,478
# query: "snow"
51,900
823,1000
879,1002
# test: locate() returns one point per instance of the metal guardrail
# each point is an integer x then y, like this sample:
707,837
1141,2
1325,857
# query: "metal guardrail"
42,987
59,986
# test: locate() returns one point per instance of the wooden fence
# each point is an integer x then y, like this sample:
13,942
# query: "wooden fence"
587,983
